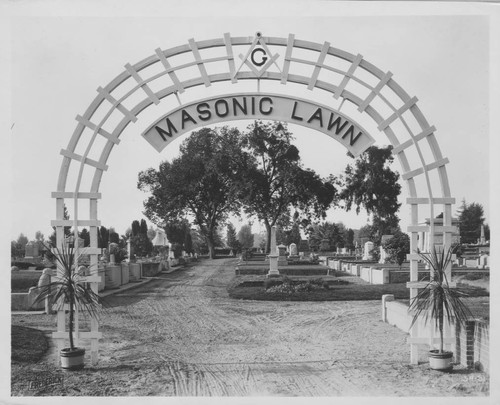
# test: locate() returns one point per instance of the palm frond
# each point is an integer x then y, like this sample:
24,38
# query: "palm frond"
437,299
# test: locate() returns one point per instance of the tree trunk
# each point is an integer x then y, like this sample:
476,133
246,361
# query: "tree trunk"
211,248
268,241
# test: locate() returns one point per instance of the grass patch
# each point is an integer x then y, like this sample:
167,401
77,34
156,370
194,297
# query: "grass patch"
28,344
337,290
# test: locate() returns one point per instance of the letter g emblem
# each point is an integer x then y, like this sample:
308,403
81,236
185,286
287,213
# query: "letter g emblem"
263,59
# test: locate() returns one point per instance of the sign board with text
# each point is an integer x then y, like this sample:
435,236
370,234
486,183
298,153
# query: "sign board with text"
250,106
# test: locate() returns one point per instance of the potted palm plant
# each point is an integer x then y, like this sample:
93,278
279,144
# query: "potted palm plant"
67,288
441,303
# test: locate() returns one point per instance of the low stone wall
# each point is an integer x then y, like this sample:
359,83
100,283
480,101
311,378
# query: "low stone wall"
471,347
295,270
134,272
24,301
403,276
113,276
152,269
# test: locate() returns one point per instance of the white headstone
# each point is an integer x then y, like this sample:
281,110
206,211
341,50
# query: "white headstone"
367,251
160,238
293,249
273,255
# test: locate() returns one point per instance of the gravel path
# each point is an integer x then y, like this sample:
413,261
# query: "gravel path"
181,335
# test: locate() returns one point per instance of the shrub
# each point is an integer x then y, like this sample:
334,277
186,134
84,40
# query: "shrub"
22,282
474,276
21,265
272,282
303,262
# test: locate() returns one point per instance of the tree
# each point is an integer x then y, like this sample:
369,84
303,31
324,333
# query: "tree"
276,180
470,219
327,231
397,248
199,183
143,227
113,236
21,243
176,231
245,237
231,239
371,184
67,229
293,235
85,235
188,242
136,228
140,242
349,239
151,233
103,237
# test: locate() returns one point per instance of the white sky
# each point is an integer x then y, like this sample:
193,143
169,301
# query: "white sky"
58,62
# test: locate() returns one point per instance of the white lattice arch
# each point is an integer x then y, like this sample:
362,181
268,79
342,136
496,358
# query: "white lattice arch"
373,92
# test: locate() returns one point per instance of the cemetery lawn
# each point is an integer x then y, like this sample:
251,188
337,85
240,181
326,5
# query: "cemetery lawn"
28,345
352,289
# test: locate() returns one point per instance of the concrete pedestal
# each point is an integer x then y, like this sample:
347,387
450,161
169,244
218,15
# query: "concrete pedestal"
273,266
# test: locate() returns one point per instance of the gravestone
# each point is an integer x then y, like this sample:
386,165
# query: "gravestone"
282,255
273,255
482,239
171,254
367,255
293,249
29,250
129,251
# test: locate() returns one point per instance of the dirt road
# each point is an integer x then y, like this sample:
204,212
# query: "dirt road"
181,335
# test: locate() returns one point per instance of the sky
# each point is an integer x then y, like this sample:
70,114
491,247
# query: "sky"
58,62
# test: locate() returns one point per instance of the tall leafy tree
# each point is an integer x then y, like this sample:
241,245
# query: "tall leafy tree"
277,182
397,248
143,227
136,228
103,237
471,217
199,183
349,239
18,247
177,230
371,184
245,237
231,238
85,235
188,242
140,242
294,235
67,229
327,231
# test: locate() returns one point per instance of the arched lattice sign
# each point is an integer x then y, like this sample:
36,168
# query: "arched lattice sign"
345,90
